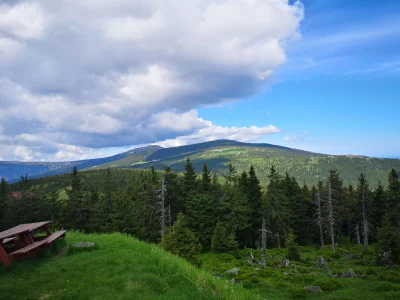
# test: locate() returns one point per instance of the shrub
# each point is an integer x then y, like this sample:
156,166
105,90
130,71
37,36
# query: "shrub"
386,287
221,241
328,284
291,247
391,276
181,241
370,271
298,293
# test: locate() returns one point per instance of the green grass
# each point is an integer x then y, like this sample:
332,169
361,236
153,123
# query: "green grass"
372,282
120,267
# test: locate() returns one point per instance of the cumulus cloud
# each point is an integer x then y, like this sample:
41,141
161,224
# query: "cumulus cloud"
109,73
213,132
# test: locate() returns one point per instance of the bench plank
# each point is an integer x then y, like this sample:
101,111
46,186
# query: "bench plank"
5,241
28,248
55,236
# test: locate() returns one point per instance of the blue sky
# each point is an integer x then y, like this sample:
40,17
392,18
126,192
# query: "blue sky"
340,84
102,77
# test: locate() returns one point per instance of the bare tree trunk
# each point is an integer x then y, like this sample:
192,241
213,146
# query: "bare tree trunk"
358,234
161,196
278,239
263,244
319,218
169,215
331,219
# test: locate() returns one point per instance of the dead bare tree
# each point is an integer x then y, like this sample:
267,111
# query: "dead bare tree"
319,217
163,210
264,232
278,239
357,231
169,215
331,218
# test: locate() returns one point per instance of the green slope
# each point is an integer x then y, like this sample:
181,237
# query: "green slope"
305,166
120,267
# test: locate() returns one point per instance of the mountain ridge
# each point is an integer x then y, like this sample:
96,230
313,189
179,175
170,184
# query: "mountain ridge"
305,166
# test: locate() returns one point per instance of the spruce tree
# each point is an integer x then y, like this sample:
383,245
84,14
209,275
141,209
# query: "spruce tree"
205,177
277,205
200,217
291,247
3,202
378,206
74,215
392,197
222,240
181,241
254,196
189,178
388,239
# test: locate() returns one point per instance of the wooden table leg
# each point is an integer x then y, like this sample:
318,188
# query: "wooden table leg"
47,230
26,239
4,257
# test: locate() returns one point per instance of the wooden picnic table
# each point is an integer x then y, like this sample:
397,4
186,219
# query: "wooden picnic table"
25,234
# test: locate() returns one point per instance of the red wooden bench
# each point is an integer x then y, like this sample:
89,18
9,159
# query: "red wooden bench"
25,233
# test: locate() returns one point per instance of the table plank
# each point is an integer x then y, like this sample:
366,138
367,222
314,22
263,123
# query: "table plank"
21,229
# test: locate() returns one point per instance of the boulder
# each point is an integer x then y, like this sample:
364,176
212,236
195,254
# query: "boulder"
313,289
234,271
84,245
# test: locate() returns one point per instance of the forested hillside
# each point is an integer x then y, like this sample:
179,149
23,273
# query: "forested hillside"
213,207
306,167
207,219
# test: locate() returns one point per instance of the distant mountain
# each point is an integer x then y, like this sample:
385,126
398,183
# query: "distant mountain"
306,167
12,171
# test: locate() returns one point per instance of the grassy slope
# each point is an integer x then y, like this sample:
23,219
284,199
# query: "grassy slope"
119,268
304,166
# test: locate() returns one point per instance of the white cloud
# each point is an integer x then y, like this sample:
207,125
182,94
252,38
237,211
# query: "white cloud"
105,73
296,138
213,132
290,138
25,20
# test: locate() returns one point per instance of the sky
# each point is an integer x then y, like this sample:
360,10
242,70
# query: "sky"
86,79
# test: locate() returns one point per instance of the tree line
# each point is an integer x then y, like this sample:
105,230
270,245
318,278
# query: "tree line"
217,213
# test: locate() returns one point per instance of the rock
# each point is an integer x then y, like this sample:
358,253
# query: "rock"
84,245
350,273
257,269
234,271
313,289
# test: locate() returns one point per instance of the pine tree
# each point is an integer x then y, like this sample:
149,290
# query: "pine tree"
378,205
363,195
3,202
231,176
174,197
205,177
223,241
234,209
254,196
189,178
392,197
200,217
388,239
277,205
74,214
181,241
291,247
